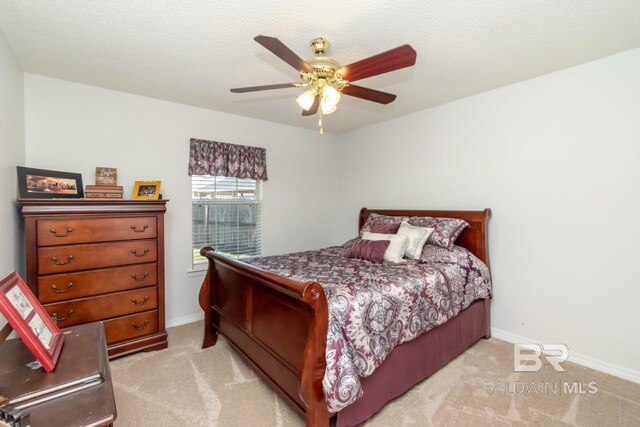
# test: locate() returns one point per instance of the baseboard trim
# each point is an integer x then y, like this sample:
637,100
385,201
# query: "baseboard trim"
184,320
577,358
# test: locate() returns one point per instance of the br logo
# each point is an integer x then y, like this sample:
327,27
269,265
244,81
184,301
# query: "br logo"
528,357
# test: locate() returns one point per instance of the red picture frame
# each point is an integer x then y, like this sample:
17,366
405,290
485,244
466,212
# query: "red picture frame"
29,319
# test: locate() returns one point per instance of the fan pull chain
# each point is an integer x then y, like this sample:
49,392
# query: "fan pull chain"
320,121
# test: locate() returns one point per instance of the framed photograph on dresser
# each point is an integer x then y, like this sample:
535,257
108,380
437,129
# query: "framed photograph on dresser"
146,190
28,318
46,184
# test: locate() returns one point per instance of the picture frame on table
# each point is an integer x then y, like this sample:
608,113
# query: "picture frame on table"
146,190
29,319
48,184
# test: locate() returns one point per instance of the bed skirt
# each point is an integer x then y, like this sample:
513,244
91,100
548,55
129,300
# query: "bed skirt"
413,361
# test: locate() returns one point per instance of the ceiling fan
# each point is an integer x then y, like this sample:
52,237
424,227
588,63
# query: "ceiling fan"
327,79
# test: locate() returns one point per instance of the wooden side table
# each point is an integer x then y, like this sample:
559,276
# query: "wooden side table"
78,392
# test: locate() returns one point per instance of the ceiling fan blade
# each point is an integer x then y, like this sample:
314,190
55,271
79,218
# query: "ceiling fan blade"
265,87
394,59
314,107
369,94
283,52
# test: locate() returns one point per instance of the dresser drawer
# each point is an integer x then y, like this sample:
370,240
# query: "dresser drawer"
86,310
128,327
58,259
85,230
61,287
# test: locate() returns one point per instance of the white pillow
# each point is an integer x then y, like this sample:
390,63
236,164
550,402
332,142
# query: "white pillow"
397,245
417,238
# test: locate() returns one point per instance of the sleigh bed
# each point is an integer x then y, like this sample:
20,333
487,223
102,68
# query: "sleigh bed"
279,327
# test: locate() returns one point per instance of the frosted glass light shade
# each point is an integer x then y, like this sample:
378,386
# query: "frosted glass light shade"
330,96
326,110
330,99
305,101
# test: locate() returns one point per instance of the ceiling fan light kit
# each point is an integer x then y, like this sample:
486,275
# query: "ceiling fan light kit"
329,100
305,100
327,79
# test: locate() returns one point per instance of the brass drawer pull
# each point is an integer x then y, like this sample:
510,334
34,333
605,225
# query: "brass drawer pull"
61,291
144,228
141,327
53,231
62,319
55,260
135,277
136,302
135,252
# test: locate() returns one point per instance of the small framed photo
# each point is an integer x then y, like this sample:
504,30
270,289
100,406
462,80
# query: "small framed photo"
146,190
46,184
30,320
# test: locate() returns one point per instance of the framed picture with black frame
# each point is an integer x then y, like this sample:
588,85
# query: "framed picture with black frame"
30,320
47,184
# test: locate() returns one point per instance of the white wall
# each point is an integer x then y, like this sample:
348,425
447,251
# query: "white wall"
556,158
74,127
11,155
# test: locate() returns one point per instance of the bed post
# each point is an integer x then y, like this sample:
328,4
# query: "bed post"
487,312
204,298
485,244
362,217
313,359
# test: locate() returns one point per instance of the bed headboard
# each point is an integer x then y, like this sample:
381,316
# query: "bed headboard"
473,238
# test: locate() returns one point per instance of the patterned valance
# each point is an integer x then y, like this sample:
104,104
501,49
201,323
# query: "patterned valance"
222,159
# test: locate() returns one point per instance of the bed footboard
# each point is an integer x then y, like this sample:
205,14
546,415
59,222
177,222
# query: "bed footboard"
277,325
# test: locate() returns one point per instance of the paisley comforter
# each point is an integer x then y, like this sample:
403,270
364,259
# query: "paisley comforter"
375,307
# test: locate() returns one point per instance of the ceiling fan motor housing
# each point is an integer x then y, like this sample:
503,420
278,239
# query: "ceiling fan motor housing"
320,45
324,67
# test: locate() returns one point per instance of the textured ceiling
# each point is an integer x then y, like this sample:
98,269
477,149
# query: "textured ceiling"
193,51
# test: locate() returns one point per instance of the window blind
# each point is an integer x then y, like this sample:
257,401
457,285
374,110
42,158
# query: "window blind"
226,216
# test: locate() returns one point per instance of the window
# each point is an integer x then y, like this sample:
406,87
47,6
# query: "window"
226,216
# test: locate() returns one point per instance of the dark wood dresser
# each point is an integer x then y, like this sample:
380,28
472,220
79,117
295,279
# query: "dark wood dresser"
92,259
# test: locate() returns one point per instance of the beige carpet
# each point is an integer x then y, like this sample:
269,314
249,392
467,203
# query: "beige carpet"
187,386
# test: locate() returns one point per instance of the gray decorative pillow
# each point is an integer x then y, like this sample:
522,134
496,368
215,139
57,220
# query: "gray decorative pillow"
417,238
446,230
